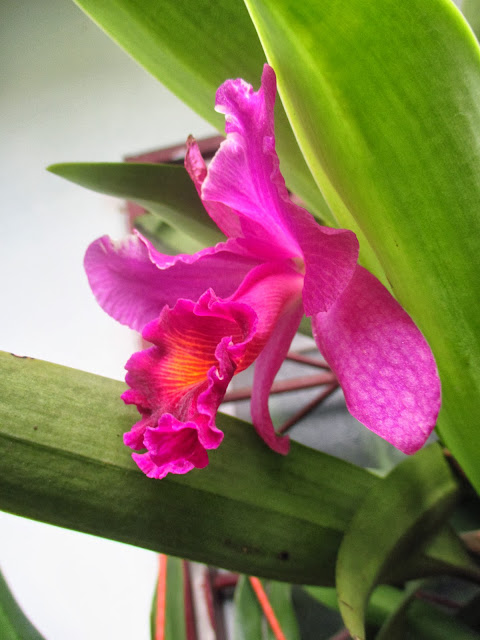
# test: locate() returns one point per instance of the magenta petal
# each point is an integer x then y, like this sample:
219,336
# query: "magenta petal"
132,281
244,173
245,176
266,367
330,257
179,382
382,361
172,447
224,217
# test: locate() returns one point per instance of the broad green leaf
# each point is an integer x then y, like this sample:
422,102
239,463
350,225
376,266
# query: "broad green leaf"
384,98
164,189
192,47
399,515
63,462
14,625
251,510
249,620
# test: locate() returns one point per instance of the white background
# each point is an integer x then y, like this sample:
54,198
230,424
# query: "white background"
70,94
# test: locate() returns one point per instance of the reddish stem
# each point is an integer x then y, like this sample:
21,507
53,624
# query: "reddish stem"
224,581
283,386
312,362
161,597
308,408
267,608
191,633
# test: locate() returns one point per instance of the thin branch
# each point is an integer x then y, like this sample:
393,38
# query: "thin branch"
161,597
283,386
308,408
267,608
312,362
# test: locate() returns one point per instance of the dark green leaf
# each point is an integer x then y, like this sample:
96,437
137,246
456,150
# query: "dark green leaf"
394,521
164,189
251,510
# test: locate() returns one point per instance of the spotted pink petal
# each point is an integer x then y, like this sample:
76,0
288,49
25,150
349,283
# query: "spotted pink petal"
382,361
132,281
245,176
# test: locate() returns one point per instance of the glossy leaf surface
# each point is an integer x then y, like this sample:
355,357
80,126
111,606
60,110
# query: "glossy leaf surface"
399,515
164,189
384,100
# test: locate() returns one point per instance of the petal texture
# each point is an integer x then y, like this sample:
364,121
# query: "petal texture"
245,176
226,219
132,281
382,361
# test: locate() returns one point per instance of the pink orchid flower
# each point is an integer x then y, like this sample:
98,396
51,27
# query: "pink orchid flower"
212,314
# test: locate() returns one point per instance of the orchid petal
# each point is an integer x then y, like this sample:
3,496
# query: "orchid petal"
198,346
179,382
225,218
173,447
266,367
245,176
240,174
132,281
382,361
330,257
272,290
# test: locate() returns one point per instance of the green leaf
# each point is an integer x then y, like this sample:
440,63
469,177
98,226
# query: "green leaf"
251,510
384,100
399,515
192,47
14,625
164,189
63,462
164,237
249,620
